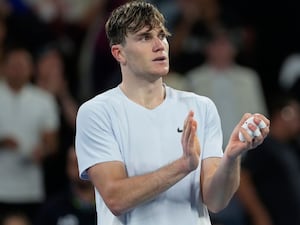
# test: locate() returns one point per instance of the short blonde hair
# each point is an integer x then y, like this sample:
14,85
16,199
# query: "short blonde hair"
132,17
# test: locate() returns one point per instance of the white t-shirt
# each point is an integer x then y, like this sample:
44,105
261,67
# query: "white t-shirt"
111,127
24,116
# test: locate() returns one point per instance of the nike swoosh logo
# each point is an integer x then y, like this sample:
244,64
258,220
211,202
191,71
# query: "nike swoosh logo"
179,130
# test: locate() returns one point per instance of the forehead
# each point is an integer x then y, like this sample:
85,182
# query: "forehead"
142,32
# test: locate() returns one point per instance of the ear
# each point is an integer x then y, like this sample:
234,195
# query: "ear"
116,51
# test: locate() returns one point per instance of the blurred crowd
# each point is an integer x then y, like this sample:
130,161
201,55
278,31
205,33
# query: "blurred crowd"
54,56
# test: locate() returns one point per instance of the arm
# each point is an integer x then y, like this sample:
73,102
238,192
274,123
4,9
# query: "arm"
47,147
8,143
50,142
220,180
220,177
121,193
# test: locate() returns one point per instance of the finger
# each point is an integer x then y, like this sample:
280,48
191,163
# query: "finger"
244,118
187,132
190,114
265,131
192,135
257,132
186,128
258,118
247,137
263,123
257,141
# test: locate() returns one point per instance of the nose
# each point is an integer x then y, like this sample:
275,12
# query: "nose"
158,44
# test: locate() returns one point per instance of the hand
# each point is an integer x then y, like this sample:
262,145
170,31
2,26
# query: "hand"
236,147
9,143
190,142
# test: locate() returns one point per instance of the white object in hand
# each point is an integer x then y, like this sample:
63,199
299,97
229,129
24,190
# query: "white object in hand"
255,133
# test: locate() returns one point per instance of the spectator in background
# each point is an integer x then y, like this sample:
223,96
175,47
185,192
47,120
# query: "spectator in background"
50,75
2,43
270,182
195,20
295,89
24,26
289,72
73,206
28,134
98,70
15,218
70,22
69,12
235,89
169,9
63,21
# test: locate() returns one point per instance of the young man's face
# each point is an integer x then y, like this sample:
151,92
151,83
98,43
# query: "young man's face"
146,53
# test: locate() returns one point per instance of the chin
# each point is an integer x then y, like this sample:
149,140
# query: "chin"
164,72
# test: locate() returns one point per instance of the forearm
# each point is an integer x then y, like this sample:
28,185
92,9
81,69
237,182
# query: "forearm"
124,193
219,188
50,143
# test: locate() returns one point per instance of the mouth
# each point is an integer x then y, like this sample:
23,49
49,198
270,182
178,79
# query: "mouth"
160,59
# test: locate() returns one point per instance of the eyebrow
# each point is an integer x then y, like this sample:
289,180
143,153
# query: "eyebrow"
148,32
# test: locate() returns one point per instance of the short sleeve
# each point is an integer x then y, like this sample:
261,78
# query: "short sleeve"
95,141
213,137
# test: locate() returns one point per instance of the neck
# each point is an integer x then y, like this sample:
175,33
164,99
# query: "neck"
15,86
221,65
147,95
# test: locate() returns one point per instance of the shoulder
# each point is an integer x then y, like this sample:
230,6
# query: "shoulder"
188,97
101,104
38,93
245,71
40,98
102,99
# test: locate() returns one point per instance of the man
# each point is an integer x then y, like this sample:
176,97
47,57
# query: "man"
154,154
28,134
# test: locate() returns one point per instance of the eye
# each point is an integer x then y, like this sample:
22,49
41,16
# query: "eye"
145,37
162,36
